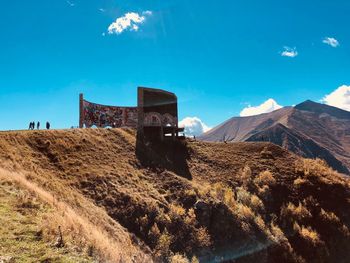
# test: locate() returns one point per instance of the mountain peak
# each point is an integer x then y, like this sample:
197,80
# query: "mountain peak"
306,102
320,108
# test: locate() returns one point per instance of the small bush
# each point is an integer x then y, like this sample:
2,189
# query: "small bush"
203,237
329,216
224,194
245,213
190,218
194,260
245,175
261,224
310,235
256,204
163,245
229,199
176,211
279,238
243,196
299,181
292,212
313,167
178,258
154,234
265,178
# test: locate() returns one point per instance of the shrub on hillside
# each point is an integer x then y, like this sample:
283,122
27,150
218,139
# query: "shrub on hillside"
308,234
203,238
292,213
313,167
264,178
176,211
299,182
245,175
248,199
224,194
190,218
154,234
178,258
163,245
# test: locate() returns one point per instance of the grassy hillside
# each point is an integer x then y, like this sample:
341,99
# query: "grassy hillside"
116,200
22,217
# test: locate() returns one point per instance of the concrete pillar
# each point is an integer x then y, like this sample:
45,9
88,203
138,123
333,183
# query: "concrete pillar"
81,110
140,113
173,134
161,133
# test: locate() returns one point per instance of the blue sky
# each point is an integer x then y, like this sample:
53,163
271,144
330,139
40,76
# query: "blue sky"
217,56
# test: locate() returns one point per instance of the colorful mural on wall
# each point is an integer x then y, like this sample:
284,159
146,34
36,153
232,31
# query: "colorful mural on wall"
155,116
108,116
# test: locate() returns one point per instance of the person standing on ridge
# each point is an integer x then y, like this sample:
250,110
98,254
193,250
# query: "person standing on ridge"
30,126
38,125
47,125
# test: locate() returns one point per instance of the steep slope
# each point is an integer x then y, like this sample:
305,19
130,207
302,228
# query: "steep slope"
293,141
328,126
21,239
318,131
240,128
318,108
242,201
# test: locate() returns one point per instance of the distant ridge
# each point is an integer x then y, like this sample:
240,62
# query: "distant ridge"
310,129
311,106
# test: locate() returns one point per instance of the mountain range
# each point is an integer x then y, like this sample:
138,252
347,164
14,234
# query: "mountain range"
309,129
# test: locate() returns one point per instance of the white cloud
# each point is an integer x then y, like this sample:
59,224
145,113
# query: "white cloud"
339,98
193,126
129,21
267,106
70,3
331,41
289,52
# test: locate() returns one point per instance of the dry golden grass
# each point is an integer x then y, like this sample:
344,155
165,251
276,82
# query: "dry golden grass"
112,198
203,238
299,181
178,258
176,211
296,213
76,228
265,178
21,236
308,234
163,245
329,216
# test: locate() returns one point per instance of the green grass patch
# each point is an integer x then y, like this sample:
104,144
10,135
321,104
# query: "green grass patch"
20,230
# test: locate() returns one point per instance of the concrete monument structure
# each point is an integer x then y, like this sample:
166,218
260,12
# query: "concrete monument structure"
155,117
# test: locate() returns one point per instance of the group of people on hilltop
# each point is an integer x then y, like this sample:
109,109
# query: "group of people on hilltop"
32,125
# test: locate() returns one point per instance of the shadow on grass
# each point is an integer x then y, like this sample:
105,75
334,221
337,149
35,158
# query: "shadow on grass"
169,154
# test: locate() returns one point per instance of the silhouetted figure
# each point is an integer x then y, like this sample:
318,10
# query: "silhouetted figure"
33,125
59,242
47,125
38,125
30,126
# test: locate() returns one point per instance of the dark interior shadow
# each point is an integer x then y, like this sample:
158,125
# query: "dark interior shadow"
169,154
